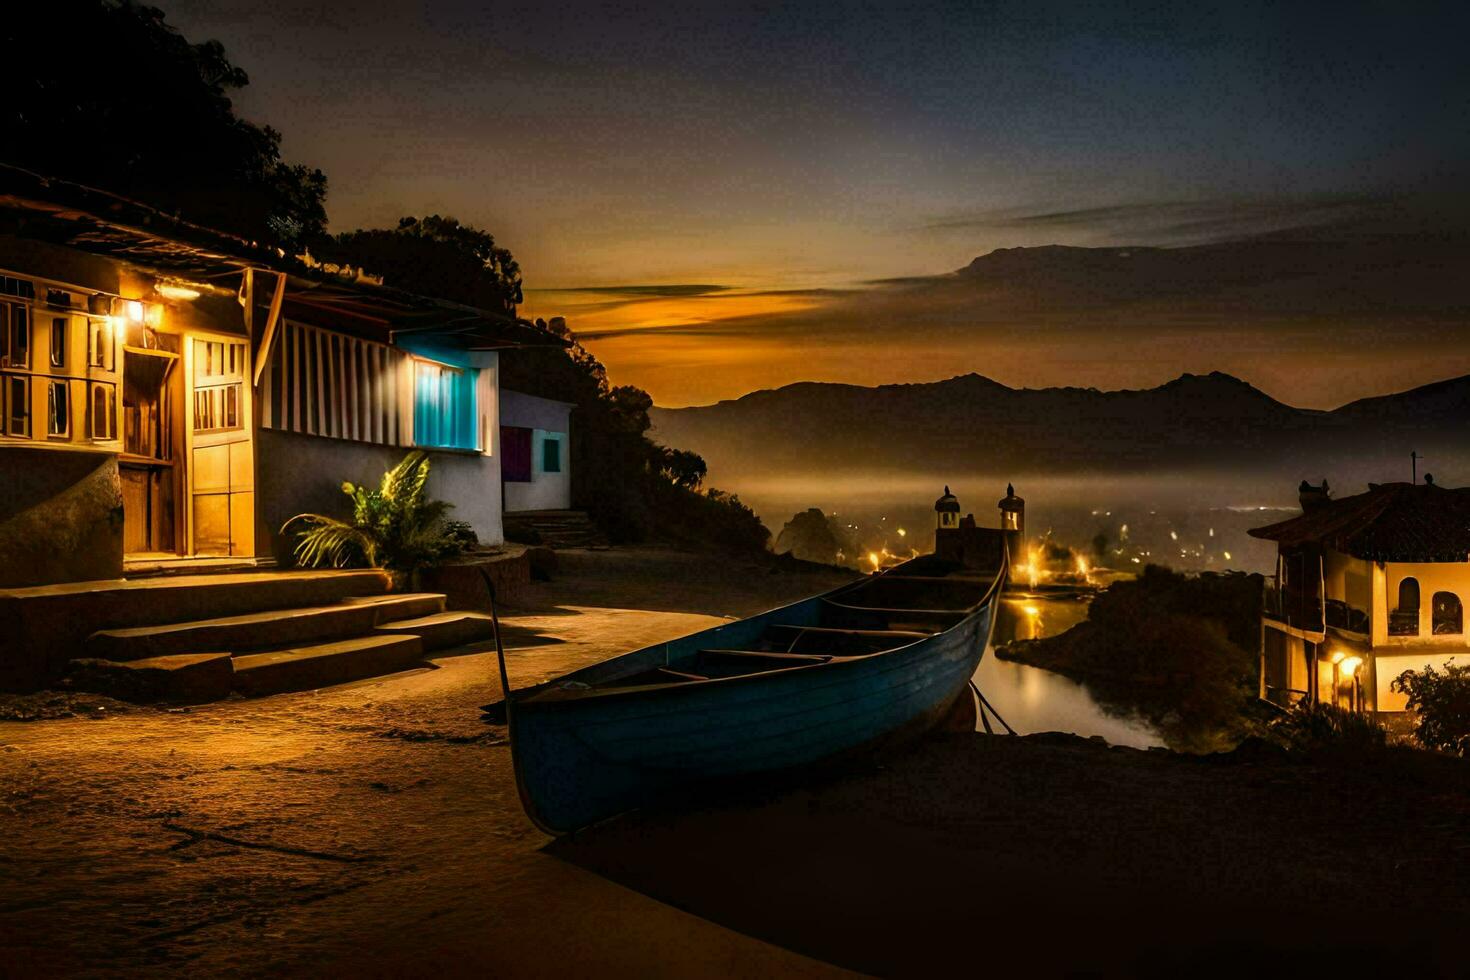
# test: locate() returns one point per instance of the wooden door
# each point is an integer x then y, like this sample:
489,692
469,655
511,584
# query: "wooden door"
221,454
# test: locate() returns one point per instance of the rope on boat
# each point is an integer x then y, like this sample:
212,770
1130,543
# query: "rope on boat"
986,704
984,718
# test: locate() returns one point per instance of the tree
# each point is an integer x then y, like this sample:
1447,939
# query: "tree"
109,95
682,467
437,256
1441,703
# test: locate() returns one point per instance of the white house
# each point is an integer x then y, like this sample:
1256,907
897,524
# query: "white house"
1367,587
536,466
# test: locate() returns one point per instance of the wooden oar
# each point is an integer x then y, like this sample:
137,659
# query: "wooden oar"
499,653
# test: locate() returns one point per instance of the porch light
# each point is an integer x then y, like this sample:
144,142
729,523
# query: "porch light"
1337,656
1350,666
132,310
176,291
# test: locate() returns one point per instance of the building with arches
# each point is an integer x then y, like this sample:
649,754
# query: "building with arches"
1366,587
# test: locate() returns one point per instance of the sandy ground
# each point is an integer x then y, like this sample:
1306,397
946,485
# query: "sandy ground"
374,830
367,829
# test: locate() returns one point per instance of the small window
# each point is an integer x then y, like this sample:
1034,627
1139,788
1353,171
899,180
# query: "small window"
17,406
551,456
58,408
99,349
15,336
1404,620
1448,617
103,416
58,341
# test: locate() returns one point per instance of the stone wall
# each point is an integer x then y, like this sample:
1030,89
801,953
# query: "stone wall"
61,516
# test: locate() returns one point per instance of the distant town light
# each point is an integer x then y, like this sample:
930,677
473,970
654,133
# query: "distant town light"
902,533
1031,611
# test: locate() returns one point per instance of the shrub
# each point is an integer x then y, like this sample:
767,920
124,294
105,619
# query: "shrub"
1178,650
393,526
1319,726
1441,703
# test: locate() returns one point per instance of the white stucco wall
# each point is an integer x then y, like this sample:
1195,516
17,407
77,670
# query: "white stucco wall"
488,524
297,472
547,420
1433,577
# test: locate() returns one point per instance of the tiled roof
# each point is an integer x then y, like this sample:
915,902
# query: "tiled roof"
1391,522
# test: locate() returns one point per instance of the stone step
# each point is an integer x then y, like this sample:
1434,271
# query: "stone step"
189,678
441,631
354,616
46,626
325,664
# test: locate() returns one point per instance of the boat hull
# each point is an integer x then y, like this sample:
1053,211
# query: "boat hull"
583,760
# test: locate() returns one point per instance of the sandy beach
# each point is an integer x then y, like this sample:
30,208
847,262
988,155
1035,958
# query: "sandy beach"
374,829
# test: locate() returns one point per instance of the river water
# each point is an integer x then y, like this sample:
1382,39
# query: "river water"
1036,700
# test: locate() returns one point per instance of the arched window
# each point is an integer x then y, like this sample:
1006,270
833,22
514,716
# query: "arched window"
1404,620
1449,617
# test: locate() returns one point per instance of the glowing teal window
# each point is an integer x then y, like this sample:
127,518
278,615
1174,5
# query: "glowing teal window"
444,406
551,456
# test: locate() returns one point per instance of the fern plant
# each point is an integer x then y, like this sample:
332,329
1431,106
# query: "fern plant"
393,526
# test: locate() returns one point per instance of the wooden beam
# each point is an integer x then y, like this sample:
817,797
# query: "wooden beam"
268,337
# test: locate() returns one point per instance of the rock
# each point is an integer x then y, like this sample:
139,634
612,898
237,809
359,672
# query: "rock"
543,563
1058,738
1254,749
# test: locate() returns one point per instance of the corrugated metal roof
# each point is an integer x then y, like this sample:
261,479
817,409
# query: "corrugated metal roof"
1391,522
104,224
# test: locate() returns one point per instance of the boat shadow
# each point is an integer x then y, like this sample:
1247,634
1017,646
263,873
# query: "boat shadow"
863,866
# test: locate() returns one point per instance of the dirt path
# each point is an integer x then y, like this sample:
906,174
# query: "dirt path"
374,830
371,828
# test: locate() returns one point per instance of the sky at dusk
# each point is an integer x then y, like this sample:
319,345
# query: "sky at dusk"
710,192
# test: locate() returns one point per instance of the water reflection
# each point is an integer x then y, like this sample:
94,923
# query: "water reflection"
1036,700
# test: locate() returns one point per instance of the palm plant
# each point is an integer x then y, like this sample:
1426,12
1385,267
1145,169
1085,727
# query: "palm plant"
392,526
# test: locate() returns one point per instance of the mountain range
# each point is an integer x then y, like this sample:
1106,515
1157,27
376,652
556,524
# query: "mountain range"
1213,420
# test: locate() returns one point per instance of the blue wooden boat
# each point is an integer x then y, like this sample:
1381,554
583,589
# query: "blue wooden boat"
880,658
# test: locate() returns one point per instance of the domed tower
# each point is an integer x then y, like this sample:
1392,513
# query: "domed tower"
1012,511
1013,526
948,509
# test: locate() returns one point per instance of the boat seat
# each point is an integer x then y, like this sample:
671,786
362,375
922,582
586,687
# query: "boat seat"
900,634
767,656
679,675
839,641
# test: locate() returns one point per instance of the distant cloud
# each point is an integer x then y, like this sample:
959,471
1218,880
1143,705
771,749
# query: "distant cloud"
1170,222
679,289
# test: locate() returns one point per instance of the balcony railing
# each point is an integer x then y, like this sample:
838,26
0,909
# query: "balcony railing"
1345,617
1295,609
1404,623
